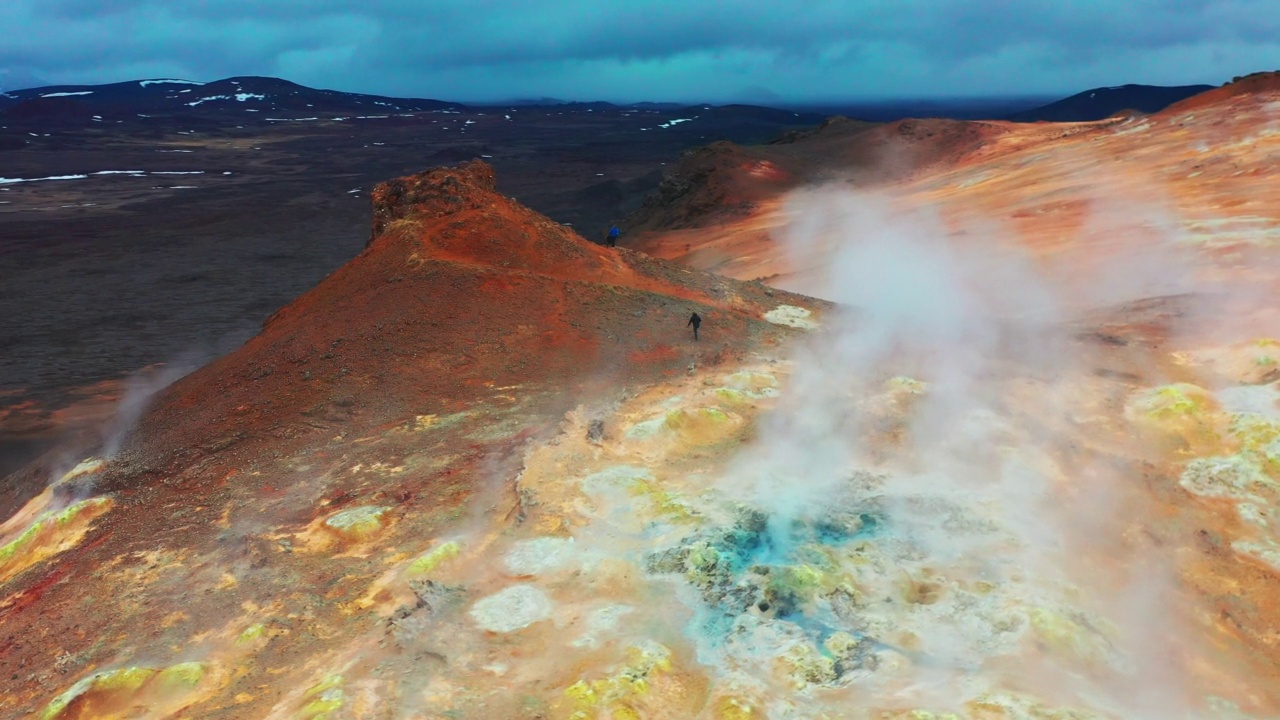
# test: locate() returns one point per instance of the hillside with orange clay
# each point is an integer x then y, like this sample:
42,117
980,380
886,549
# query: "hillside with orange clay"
715,209
1193,170
402,391
1021,463
460,291
722,182
1251,84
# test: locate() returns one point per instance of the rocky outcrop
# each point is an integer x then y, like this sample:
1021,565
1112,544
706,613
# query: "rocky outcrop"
459,287
433,193
710,183
1240,86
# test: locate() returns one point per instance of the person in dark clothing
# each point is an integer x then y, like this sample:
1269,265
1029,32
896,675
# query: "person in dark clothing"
695,321
613,236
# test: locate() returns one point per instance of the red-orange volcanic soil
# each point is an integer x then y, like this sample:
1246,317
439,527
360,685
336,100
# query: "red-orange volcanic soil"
1179,202
409,379
483,470
1071,193
461,291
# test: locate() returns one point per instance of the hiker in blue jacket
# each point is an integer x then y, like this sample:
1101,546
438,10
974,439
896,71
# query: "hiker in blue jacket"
613,236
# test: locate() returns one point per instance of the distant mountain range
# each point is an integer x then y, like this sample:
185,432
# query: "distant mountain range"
253,97
1104,102
262,98
237,94
1095,104
557,102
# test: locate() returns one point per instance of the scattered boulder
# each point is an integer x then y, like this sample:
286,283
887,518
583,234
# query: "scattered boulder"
595,431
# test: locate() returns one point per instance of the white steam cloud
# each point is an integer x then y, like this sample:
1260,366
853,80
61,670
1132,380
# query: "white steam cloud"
139,390
104,442
950,382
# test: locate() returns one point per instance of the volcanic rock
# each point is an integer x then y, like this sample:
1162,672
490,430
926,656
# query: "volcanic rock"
404,385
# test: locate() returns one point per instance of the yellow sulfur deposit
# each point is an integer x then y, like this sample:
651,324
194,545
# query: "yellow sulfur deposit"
429,560
251,635
1069,635
105,693
50,534
618,694
1180,417
358,523
731,707
665,503
323,699
804,665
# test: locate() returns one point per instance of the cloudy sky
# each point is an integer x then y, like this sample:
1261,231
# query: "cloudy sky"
694,50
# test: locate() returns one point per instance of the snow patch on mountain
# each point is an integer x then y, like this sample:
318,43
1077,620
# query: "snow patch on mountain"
168,81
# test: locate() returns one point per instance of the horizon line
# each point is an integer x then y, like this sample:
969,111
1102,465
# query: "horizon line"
781,103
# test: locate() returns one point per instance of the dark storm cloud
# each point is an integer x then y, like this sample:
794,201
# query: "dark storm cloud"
660,49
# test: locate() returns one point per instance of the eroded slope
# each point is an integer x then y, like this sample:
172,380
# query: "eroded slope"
238,531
